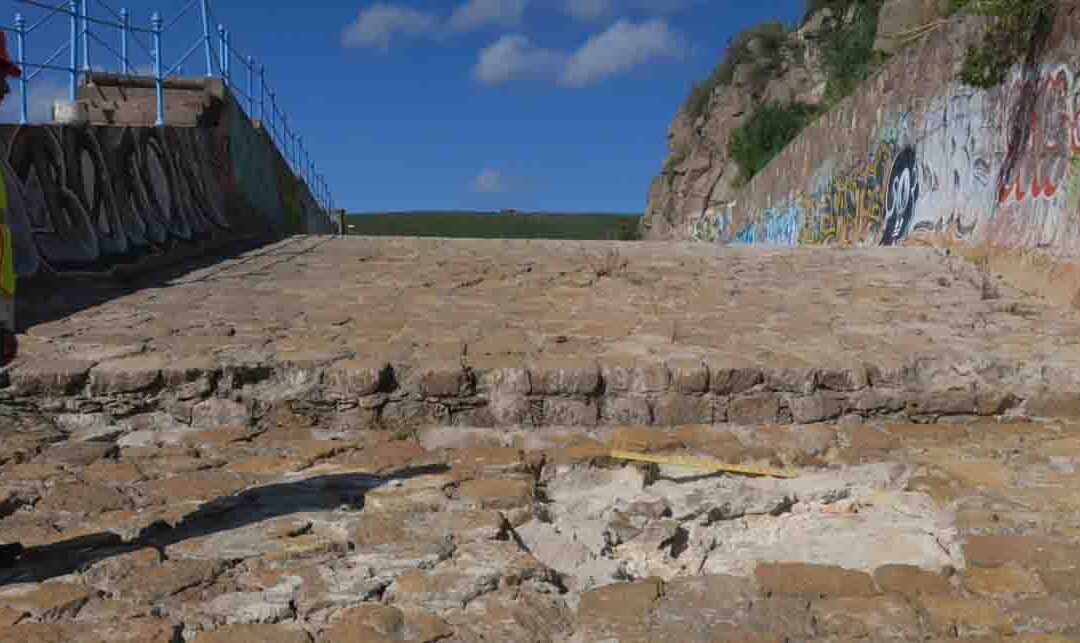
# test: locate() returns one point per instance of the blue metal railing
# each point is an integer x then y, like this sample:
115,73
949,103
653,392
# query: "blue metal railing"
90,23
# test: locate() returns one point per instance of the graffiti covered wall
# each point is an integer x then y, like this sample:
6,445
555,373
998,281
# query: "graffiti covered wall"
84,198
917,158
90,198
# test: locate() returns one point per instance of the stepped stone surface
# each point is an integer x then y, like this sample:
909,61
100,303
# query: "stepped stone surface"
332,440
541,333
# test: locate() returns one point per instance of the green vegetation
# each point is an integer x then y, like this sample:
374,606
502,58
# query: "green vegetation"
768,131
1012,37
490,225
759,44
848,57
848,54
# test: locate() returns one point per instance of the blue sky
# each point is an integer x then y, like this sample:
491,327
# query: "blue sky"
480,104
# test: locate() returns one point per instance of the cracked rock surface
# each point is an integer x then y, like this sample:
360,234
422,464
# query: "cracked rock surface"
295,530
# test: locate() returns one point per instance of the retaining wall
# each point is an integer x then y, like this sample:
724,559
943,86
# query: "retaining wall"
917,158
89,199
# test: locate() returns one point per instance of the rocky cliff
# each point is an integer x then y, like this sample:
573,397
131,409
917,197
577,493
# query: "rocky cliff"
697,178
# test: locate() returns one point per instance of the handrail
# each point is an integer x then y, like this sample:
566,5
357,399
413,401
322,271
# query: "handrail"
86,34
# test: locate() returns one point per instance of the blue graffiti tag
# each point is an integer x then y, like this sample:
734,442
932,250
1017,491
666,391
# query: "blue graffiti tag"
746,235
782,224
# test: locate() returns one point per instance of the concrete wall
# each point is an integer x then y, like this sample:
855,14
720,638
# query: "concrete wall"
256,167
916,158
90,198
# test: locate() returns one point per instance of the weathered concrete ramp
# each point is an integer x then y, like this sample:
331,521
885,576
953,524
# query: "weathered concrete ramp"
498,333
258,450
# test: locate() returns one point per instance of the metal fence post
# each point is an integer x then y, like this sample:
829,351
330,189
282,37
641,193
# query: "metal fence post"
205,10
73,9
155,23
85,37
124,61
222,53
286,138
273,112
251,86
262,92
20,48
228,57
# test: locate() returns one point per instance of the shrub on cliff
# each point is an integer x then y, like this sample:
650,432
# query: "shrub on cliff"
1015,34
759,44
768,131
848,54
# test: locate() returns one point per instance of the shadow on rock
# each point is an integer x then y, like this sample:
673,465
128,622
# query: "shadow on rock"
252,505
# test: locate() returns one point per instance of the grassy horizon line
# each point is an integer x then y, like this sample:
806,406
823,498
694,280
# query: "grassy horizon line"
487,224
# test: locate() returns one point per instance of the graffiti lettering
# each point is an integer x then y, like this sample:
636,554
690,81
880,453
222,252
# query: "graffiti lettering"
95,195
1043,161
782,225
88,198
941,172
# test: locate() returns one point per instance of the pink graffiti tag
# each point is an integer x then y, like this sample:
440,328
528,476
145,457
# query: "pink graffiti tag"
1044,160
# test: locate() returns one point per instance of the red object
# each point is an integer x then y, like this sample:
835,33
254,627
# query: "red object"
6,66
10,347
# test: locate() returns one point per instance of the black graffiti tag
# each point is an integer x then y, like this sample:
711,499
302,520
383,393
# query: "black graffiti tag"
901,193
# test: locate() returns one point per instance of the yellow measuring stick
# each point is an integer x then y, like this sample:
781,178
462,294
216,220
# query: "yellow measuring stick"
701,463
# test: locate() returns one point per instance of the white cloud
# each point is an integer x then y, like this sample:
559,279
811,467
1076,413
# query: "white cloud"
513,57
40,98
488,181
377,24
619,49
479,13
615,51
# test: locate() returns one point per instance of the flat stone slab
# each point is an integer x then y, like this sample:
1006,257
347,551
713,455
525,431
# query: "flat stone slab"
414,300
